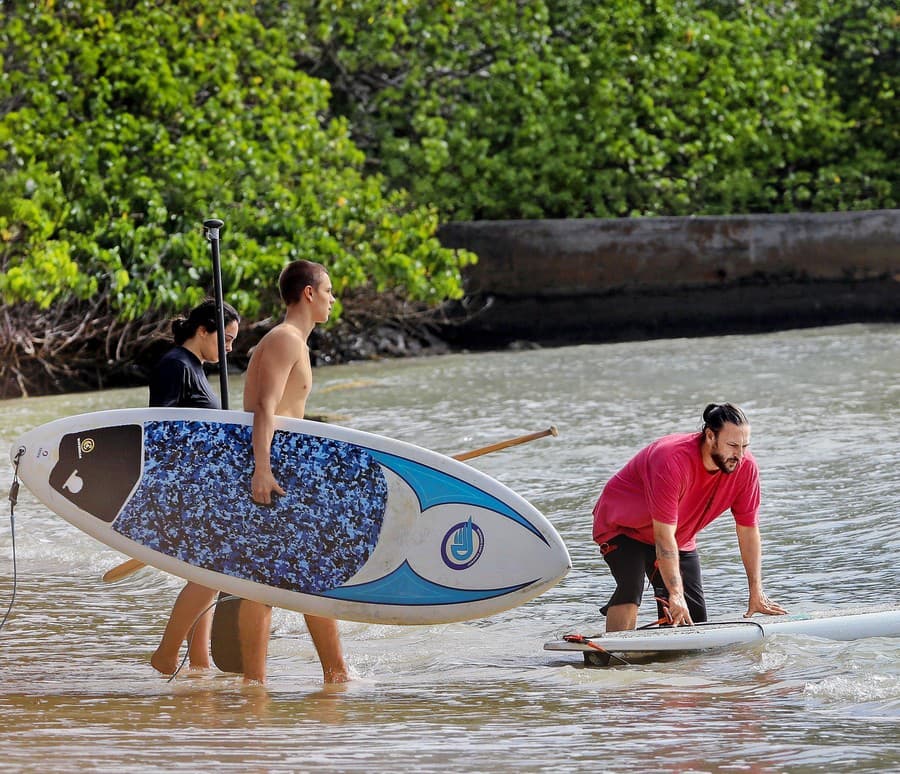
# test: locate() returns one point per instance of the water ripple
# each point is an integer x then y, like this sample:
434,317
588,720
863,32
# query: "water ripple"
78,692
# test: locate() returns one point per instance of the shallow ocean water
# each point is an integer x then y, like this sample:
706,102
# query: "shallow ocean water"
78,691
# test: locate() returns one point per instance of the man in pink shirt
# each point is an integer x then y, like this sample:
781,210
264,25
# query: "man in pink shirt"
650,512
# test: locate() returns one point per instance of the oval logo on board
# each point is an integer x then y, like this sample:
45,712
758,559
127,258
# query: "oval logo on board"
462,545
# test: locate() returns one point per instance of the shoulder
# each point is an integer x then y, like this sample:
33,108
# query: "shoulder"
284,341
179,354
170,378
172,362
677,446
279,351
673,457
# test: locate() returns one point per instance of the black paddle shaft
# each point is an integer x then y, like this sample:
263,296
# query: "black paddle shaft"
225,639
211,228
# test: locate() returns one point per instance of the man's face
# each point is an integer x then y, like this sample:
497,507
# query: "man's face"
322,299
728,447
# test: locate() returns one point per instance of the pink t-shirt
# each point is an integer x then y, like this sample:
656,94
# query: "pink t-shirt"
666,482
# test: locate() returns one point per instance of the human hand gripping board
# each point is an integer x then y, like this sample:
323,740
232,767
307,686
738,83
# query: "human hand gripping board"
371,529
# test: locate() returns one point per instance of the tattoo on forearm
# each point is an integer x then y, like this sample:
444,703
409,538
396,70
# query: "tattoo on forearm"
673,583
670,575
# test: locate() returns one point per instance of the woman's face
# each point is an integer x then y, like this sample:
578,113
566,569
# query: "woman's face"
208,342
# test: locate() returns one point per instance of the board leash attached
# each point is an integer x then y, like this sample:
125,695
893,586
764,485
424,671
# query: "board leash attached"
13,500
580,639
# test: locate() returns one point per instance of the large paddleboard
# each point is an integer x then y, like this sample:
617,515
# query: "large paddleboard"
851,624
371,529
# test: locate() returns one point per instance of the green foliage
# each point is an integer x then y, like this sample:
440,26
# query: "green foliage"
303,125
124,125
565,108
859,43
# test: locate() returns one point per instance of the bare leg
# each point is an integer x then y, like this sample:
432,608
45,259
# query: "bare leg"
198,651
254,627
192,600
621,618
325,636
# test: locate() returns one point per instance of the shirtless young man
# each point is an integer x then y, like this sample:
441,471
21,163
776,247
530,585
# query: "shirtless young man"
278,381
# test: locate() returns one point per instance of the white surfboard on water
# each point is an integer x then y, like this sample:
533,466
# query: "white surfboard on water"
371,529
849,624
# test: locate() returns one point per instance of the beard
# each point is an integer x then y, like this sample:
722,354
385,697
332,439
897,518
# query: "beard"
723,463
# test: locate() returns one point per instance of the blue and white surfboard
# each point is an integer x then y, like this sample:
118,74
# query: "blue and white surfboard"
370,529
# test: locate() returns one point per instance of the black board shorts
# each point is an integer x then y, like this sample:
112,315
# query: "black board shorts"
631,560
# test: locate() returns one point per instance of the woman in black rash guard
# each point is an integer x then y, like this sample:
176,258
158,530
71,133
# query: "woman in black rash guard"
179,381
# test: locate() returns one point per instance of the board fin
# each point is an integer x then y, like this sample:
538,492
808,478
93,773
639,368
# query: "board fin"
225,640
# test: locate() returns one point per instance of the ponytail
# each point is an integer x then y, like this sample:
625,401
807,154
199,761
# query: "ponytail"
184,328
715,415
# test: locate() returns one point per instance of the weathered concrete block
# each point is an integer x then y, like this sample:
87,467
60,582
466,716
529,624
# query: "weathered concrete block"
596,279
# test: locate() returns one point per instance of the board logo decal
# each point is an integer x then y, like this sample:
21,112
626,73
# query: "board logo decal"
462,545
85,446
74,483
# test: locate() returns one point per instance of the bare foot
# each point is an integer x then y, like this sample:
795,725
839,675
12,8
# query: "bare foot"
337,676
166,666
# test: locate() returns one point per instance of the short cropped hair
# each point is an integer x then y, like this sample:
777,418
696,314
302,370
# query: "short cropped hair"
296,276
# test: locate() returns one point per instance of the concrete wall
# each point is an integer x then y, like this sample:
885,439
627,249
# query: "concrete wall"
594,280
